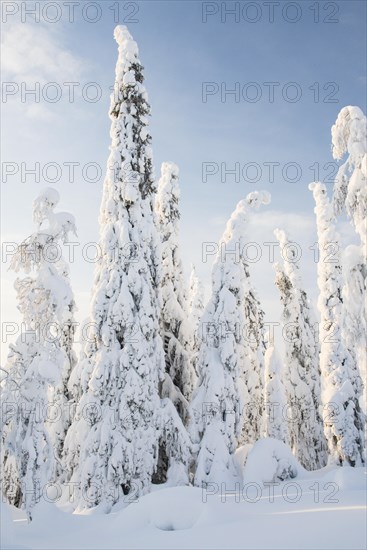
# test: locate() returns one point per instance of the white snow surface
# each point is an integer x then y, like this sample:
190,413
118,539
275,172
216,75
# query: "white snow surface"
328,512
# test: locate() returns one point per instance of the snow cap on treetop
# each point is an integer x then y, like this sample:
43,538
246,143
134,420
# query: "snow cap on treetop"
128,55
317,187
290,267
280,235
171,168
256,198
44,203
49,196
253,200
127,44
348,132
168,182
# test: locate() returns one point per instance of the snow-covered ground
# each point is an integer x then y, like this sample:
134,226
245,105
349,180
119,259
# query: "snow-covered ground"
323,509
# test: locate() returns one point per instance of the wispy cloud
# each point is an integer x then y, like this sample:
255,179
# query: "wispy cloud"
34,56
37,53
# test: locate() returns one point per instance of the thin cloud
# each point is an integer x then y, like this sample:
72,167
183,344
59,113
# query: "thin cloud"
34,56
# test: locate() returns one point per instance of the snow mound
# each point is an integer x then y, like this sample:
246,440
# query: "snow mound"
240,457
347,478
151,521
47,513
270,460
169,509
177,509
7,526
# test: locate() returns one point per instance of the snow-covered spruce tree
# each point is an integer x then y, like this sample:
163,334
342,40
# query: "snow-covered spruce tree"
275,400
122,431
35,415
350,194
341,383
254,340
221,395
302,371
349,136
180,375
196,310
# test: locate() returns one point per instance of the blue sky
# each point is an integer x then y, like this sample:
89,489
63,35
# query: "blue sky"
180,52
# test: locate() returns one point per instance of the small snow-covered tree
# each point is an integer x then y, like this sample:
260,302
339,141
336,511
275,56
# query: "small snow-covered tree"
121,435
349,137
302,369
27,454
219,399
275,400
180,376
343,418
196,310
40,361
57,226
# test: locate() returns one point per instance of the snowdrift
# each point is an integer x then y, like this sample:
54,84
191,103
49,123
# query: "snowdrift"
323,509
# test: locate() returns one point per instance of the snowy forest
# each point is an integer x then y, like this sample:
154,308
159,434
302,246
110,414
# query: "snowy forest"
171,391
